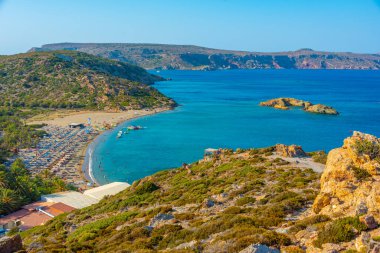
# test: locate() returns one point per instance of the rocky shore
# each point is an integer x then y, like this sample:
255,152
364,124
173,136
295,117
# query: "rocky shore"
287,103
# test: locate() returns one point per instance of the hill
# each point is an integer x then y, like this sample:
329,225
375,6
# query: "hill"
231,201
158,56
69,79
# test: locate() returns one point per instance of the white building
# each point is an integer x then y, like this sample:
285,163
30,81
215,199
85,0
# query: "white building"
88,198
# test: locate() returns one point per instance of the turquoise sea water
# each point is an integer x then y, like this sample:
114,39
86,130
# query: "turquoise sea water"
220,109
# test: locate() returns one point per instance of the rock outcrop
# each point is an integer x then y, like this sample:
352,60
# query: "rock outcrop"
161,219
286,103
290,151
10,244
350,184
259,248
321,109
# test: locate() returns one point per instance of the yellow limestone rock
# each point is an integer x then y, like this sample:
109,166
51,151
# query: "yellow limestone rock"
286,103
350,183
290,151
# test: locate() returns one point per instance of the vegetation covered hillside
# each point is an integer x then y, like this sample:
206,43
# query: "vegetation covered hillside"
236,202
223,204
158,56
68,79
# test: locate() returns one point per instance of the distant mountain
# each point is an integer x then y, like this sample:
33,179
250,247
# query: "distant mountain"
156,56
67,79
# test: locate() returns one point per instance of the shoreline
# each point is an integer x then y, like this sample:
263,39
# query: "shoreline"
87,167
102,122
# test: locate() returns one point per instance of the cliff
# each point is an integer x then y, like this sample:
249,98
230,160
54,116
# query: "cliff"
159,56
350,197
350,184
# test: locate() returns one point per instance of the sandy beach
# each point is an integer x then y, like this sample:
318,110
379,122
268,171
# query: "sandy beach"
99,120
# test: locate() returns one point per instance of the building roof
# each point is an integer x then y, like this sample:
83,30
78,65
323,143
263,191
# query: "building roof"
13,216
35,205
108,189
58,208
70,198
34,219
30,215
78,200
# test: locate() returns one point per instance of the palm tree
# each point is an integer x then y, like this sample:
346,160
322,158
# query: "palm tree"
3,179
46,174
59,185
9,201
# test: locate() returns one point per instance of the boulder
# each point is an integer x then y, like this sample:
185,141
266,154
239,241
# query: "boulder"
187,245
369,220
332,248
259,248
10,244
290,151
361,209
222,197
161,219
208,203
362,242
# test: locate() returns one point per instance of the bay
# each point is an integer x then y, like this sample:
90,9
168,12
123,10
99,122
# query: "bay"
220,109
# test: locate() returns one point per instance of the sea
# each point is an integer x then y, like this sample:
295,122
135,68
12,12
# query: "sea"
220,109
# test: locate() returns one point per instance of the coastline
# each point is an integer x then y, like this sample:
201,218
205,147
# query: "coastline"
87,162
102,122
87,169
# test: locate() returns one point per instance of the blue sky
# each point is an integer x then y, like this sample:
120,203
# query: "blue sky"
253,25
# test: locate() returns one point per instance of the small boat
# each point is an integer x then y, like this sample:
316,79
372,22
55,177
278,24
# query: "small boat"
134,127
119,134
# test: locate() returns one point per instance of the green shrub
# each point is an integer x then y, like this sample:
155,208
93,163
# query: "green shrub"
146,187
303,224
184,216
318,156
280,161
233,210
292,249
87,231
366,147
245,200
360,174
244,235
340,230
